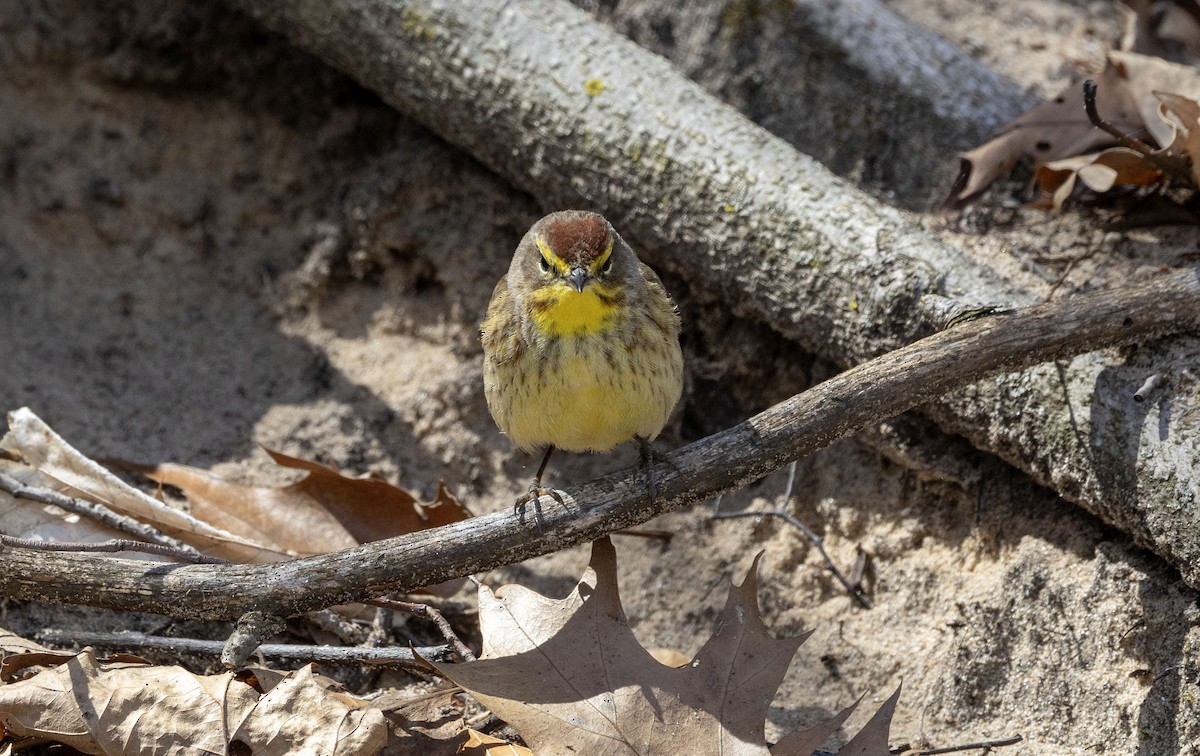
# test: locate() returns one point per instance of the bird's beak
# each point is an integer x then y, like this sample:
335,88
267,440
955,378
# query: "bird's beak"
578,278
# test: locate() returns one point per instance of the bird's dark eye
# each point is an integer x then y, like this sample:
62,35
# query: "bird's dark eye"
607,266
545,264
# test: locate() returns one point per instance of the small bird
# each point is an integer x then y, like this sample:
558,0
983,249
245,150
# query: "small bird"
580,344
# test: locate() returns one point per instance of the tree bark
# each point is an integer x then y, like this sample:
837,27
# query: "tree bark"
806,69
848,402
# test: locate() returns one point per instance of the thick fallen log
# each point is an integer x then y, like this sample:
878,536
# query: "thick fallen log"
804,69
579,116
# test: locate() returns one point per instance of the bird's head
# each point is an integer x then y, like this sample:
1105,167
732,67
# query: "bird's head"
572,269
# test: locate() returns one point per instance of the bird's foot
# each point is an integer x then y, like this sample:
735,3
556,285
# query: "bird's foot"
648,458
536,492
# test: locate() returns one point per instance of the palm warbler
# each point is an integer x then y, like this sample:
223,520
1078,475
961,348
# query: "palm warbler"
580,344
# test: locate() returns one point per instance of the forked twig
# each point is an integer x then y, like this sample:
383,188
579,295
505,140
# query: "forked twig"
431,614
851,587
91,510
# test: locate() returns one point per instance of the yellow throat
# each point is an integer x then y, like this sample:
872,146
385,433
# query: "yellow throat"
559,310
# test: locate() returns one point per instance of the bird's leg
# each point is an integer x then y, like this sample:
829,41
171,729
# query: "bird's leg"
648,457
536,491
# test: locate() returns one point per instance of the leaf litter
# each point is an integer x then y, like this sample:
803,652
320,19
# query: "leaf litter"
324,511
568,674
1149,99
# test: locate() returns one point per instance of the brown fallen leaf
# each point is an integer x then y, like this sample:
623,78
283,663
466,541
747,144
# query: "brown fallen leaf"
1099,172
1178,129
37,456
105,707
324,511
1058,136
571,677
1053,130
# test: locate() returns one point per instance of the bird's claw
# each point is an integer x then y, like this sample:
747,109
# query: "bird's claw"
535,494
648,457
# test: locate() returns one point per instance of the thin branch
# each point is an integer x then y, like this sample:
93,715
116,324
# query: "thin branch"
115,545
354,655
851,586
980,745
431,614
1164,163
860,397
812,538
1089,107
91,510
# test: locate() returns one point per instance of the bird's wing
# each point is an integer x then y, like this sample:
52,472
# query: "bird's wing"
658,292
498,331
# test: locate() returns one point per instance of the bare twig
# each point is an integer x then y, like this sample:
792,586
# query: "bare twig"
431,614
91,510
1089,107
812,538
1164,163
980,745
879,389
380,657
112,546
851,586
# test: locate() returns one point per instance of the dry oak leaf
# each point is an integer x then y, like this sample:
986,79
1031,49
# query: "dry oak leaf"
1178,129
1057,133
1052,130
323,511
100,707
1116,166
37,456
571,677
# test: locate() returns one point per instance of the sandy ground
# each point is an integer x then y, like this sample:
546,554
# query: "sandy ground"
210,241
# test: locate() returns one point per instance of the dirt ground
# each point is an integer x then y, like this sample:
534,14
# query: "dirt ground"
210,241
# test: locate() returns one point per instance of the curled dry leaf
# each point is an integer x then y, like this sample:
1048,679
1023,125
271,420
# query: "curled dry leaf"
1053,130
1057,135
1099,172
104,707
39,457
1183,116
324,511
571,677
